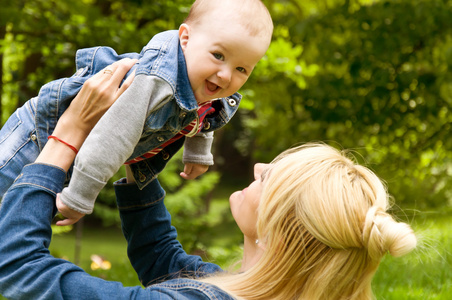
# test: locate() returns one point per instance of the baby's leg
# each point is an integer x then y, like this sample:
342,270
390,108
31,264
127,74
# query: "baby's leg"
18,145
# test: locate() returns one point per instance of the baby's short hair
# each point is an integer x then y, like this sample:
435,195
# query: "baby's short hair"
252,14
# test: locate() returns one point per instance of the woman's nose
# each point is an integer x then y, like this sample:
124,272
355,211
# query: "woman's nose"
258,169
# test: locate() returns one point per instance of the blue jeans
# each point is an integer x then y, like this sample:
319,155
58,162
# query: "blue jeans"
28,271
18,144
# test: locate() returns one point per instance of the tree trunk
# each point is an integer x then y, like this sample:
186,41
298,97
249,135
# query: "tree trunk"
78,241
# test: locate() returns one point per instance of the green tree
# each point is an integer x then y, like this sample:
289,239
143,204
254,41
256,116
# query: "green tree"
40,37
372,77
39,45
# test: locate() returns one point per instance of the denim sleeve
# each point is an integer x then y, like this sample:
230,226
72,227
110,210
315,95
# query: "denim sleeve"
153,249
27,270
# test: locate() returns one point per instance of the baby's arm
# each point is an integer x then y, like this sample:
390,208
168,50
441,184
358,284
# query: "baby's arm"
112,141
197,155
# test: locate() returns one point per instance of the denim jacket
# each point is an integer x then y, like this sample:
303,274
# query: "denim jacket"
28,271
157,105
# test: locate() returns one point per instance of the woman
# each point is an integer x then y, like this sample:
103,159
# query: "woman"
315,226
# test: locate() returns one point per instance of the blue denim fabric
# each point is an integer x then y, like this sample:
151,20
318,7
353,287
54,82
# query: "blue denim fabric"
28,271
18,144
153,249
161,57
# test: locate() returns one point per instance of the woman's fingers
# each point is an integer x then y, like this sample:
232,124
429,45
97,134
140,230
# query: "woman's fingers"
120,69
114,73
94,99
110,79
125,84
103,87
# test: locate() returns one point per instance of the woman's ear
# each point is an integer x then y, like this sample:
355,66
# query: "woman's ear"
184,33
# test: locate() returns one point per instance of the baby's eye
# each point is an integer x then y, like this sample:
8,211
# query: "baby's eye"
241,70
218,56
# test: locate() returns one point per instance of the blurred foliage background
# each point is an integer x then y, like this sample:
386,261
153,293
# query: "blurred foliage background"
372,76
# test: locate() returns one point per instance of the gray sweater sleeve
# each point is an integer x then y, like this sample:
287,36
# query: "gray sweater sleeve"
112,140
197,149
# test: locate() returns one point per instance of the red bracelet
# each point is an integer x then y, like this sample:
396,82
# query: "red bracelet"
61,141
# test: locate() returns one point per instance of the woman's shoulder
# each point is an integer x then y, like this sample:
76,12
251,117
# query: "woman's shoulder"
184,289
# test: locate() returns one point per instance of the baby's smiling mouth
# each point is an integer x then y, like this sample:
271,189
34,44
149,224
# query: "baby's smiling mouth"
212,87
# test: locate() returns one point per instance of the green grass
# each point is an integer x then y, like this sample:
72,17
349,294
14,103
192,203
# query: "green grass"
424,274
107,243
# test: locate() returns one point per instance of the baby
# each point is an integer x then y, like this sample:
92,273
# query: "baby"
185,87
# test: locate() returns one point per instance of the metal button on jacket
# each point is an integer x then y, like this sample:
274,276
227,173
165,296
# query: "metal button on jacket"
232,102
205,125
142,177
160,139
165,155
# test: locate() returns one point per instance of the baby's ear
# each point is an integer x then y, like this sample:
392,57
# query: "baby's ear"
184,33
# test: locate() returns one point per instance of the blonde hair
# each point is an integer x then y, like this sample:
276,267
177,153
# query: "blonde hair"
252,14
324,222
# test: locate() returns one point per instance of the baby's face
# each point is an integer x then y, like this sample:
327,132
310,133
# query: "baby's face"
220,57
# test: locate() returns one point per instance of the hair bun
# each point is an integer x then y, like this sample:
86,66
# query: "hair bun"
382,234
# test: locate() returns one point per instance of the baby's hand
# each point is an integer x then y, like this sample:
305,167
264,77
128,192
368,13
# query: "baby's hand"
71,215
191,170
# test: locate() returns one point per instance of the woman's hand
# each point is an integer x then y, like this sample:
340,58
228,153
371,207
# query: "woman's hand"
96,96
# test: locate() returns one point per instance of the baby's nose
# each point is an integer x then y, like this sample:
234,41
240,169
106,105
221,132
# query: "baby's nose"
225,75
